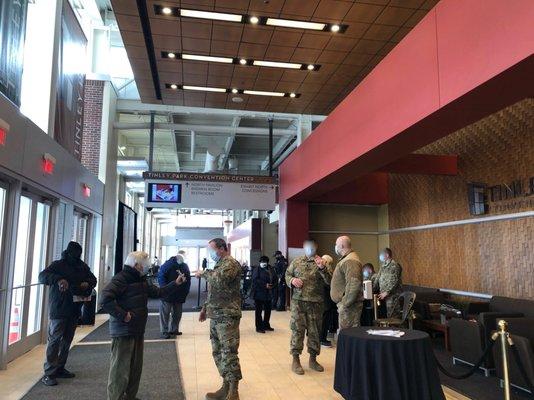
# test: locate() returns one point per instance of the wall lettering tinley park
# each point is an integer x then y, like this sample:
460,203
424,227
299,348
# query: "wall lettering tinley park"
502,197
209,191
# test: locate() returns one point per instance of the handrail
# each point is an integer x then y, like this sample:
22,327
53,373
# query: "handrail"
467,294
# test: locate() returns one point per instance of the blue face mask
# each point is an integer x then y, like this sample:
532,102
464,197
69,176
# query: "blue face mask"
213,254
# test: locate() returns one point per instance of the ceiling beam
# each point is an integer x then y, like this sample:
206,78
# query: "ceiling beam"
425,164
137,106
229,143
203,128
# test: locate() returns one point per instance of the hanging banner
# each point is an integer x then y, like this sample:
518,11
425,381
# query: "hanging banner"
71,83
209,191
12,32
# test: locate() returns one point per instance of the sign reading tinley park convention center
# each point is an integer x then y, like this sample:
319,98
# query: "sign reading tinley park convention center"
211,191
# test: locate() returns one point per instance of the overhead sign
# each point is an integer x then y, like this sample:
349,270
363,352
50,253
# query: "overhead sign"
209,191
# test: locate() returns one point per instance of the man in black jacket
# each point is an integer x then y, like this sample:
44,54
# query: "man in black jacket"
171,304
125,299
67,277
264,280
280,267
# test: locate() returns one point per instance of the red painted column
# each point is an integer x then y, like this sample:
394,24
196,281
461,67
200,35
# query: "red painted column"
293,224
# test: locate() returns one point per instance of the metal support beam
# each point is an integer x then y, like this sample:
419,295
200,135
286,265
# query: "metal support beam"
277,151
151,142
229,143
193,144
270,146
203,128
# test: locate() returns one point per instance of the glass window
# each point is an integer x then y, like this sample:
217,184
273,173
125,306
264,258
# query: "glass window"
38,264
19,277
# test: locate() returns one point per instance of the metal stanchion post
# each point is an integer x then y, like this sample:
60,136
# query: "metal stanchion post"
505,337
198,291
375,306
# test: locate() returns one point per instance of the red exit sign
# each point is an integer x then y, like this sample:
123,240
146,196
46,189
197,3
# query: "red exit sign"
4,129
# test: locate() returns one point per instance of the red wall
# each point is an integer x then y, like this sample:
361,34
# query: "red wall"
400,106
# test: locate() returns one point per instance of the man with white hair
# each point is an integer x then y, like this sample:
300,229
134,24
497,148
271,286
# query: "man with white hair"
171,304
125,299
346,285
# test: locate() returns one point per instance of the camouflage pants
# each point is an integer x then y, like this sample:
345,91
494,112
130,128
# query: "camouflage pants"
393,306
224,335
305,316
349,317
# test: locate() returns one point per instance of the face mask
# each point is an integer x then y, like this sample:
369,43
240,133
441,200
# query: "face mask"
337,250
263,265
146,269
310,251
382,258
213,254
366,274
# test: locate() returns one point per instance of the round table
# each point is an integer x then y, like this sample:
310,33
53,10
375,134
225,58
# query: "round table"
370,367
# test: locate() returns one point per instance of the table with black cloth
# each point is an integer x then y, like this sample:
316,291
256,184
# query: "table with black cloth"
370,367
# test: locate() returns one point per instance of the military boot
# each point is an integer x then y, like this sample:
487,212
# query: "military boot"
219,394
232,391
314,364
296,367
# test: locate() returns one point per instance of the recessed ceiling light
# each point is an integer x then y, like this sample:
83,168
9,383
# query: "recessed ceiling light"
171,55
316,26
243,61
335,28
235,90
204,88
174,86
276,64
311,67
207,58
166,10
262,93
211,15
254,20
293,95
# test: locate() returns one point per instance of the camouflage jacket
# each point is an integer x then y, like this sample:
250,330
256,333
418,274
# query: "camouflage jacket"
312,277
346,286
224,296
388,278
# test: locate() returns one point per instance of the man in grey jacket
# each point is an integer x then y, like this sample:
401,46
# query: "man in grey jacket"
346,285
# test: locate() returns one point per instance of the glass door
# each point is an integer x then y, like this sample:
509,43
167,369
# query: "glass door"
30,259
80,223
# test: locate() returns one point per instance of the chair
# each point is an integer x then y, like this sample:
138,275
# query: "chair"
408,299
469,337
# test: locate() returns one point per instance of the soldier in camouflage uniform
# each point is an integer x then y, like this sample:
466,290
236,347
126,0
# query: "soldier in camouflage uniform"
307,278
223,307
388,282
346,287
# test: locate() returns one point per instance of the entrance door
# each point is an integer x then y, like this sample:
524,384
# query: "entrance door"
25,323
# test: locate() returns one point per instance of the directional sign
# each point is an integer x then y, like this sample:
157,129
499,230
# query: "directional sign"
209,191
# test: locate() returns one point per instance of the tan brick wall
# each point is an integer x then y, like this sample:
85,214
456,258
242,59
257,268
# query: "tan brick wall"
492,257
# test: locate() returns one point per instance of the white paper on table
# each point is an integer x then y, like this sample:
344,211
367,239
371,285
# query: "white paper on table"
385,332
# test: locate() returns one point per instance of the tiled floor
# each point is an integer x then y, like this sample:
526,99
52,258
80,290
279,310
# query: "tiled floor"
264,360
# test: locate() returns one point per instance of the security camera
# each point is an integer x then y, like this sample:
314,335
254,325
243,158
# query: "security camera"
149,209
270,212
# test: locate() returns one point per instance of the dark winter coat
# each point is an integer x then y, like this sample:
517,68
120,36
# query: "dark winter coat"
168,272
71,268
129,291
260,278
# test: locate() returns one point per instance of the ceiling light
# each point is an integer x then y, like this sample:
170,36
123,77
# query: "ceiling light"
171,55
254,20
211,15
292,95
207,58
311,67
235,91
295,24
166,10
243,61
262,93
335,28
276,64
204,89
174,86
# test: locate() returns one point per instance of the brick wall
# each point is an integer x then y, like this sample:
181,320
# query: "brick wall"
92,122
490,257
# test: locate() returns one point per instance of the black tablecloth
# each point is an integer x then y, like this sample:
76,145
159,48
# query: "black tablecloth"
386,368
